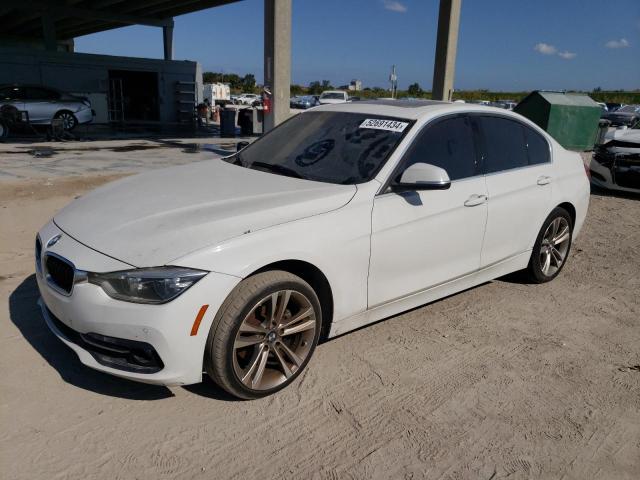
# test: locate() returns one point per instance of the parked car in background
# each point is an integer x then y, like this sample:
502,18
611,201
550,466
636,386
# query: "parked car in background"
333,96
616,164
43,104
603,106
627,115
612,106
303,102
248,99
336,219
506,104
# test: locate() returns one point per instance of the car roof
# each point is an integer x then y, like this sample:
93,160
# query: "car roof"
413,109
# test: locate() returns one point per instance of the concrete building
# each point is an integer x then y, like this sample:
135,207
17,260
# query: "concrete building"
355,86
121,89
37,43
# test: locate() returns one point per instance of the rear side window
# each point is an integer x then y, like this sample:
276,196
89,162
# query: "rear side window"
537,147
504,146
447,144
34,93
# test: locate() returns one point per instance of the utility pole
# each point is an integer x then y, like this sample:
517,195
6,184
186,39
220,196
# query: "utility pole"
393,78
446,46
277,59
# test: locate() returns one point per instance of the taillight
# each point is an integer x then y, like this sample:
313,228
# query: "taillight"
587,170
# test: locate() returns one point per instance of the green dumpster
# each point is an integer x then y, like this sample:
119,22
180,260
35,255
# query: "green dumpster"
570,118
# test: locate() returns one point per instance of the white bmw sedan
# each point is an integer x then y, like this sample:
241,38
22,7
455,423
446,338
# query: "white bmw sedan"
339,217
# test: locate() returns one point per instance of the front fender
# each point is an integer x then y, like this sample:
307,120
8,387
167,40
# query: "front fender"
336,242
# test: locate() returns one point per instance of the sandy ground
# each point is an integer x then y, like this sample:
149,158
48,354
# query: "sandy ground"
505,380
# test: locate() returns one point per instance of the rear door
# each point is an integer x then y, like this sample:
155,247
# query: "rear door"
516,161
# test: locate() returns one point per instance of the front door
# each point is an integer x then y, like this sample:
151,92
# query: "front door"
424,238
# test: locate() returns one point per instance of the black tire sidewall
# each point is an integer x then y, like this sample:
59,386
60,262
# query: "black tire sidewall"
534,268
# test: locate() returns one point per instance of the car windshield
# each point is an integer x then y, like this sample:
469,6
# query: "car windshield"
629,109
334,147
339,96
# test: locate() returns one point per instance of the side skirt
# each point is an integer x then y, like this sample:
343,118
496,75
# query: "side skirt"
432,294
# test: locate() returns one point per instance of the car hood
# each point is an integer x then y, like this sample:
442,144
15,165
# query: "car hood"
155,218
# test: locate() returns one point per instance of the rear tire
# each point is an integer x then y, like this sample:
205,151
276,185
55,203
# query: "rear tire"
69,120
552,246
263,335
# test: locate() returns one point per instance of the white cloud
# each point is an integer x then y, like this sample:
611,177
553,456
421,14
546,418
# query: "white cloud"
394,6
545,49
622,43
567,55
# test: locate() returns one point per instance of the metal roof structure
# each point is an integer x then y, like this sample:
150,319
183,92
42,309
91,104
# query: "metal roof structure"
30,19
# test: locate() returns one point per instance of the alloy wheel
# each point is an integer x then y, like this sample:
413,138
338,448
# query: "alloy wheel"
68,120
554,246
274,340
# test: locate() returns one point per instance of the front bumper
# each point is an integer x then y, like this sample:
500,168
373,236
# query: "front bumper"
602,176
82,320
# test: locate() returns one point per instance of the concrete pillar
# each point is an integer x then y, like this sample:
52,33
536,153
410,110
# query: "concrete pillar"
446,46
167,40
277,59
49,32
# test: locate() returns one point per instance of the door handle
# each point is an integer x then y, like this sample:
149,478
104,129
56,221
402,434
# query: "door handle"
475,200
544,180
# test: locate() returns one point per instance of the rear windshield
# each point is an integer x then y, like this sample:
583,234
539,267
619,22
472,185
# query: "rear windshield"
334,147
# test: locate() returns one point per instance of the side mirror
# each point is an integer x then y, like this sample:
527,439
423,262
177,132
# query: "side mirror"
422,176
241,145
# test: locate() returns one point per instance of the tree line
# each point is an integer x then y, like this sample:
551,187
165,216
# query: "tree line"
247,84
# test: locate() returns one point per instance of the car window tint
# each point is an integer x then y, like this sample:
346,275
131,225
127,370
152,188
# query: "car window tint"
33,93
537,147
329,146
447,144
504,144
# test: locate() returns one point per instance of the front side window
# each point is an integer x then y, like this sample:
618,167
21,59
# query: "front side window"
503,145
448,144
334,147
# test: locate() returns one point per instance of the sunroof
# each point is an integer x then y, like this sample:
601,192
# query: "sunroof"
404,103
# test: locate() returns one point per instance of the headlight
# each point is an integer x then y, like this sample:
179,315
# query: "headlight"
147,285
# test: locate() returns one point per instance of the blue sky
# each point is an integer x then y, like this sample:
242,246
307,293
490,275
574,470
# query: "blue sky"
503,44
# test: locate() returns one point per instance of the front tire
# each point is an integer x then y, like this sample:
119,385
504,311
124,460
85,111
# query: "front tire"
552,247
263,335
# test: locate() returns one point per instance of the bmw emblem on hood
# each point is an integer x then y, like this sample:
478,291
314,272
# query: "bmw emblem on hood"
54,240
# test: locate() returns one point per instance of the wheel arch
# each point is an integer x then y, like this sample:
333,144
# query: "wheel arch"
570,209
63,110
314,277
